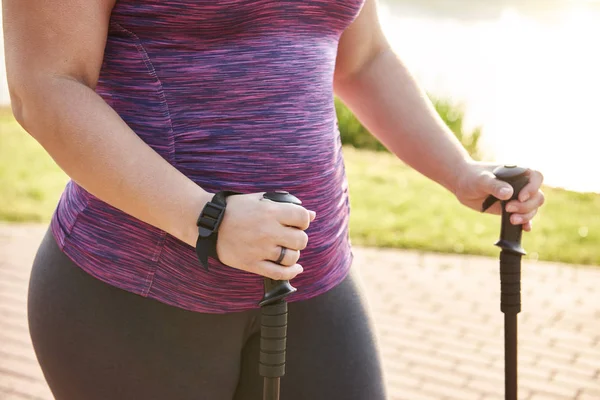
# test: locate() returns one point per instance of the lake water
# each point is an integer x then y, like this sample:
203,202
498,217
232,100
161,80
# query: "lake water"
528,72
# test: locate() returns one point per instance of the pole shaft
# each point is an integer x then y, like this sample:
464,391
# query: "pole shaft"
271,389
510,356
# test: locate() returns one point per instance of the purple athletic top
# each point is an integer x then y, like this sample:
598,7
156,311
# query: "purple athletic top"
237,95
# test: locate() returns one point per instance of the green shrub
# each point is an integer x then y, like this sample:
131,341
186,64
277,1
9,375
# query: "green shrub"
354,134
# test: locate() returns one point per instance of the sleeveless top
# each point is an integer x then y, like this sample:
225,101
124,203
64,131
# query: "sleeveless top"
237,95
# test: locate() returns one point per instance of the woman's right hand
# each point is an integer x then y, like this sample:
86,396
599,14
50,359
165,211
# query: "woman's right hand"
253,231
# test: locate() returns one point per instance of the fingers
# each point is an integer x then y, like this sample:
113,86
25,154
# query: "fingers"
524,211
294,215
519,219
290,257
533,186
522,207
276,271
291,238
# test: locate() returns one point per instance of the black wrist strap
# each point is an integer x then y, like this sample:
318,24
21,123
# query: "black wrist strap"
208,226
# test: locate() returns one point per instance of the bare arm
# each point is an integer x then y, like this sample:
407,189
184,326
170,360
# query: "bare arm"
54,50
381,92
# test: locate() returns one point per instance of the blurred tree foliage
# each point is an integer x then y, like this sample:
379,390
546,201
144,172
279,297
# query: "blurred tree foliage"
353,133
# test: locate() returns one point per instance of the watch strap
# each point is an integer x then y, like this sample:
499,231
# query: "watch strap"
208,224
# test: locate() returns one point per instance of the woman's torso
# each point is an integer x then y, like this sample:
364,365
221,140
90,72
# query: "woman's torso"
237,95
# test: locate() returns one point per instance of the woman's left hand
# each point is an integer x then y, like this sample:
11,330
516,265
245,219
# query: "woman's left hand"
477,181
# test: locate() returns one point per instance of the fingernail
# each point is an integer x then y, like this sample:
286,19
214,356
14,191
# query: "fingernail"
504,191
525,197
511,208
517,220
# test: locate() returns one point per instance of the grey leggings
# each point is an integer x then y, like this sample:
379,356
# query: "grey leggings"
96,342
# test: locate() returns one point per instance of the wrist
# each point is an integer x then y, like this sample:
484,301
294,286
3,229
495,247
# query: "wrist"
208,223
456,173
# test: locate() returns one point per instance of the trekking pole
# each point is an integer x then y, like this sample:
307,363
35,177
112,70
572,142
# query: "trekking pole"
510,274
273,324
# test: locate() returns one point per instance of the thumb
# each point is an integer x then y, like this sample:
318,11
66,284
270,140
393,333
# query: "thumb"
497,188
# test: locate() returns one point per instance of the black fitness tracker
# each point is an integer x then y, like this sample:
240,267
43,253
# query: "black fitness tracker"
208,225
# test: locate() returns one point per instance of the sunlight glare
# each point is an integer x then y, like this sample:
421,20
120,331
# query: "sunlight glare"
533,84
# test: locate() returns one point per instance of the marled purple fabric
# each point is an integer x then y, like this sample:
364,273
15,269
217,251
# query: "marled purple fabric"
238,95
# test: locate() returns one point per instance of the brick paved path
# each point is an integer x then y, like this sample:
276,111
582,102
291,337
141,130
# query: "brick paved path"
437,318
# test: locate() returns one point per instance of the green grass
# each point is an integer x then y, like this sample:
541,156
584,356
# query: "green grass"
392,205
30,181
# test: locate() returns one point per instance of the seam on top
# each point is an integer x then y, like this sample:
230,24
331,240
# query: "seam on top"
83,209
161,91
152,273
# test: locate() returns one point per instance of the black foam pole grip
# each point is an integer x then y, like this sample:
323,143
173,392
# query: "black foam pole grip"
273,336
510,282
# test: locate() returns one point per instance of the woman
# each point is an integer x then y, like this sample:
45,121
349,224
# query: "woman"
152,107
